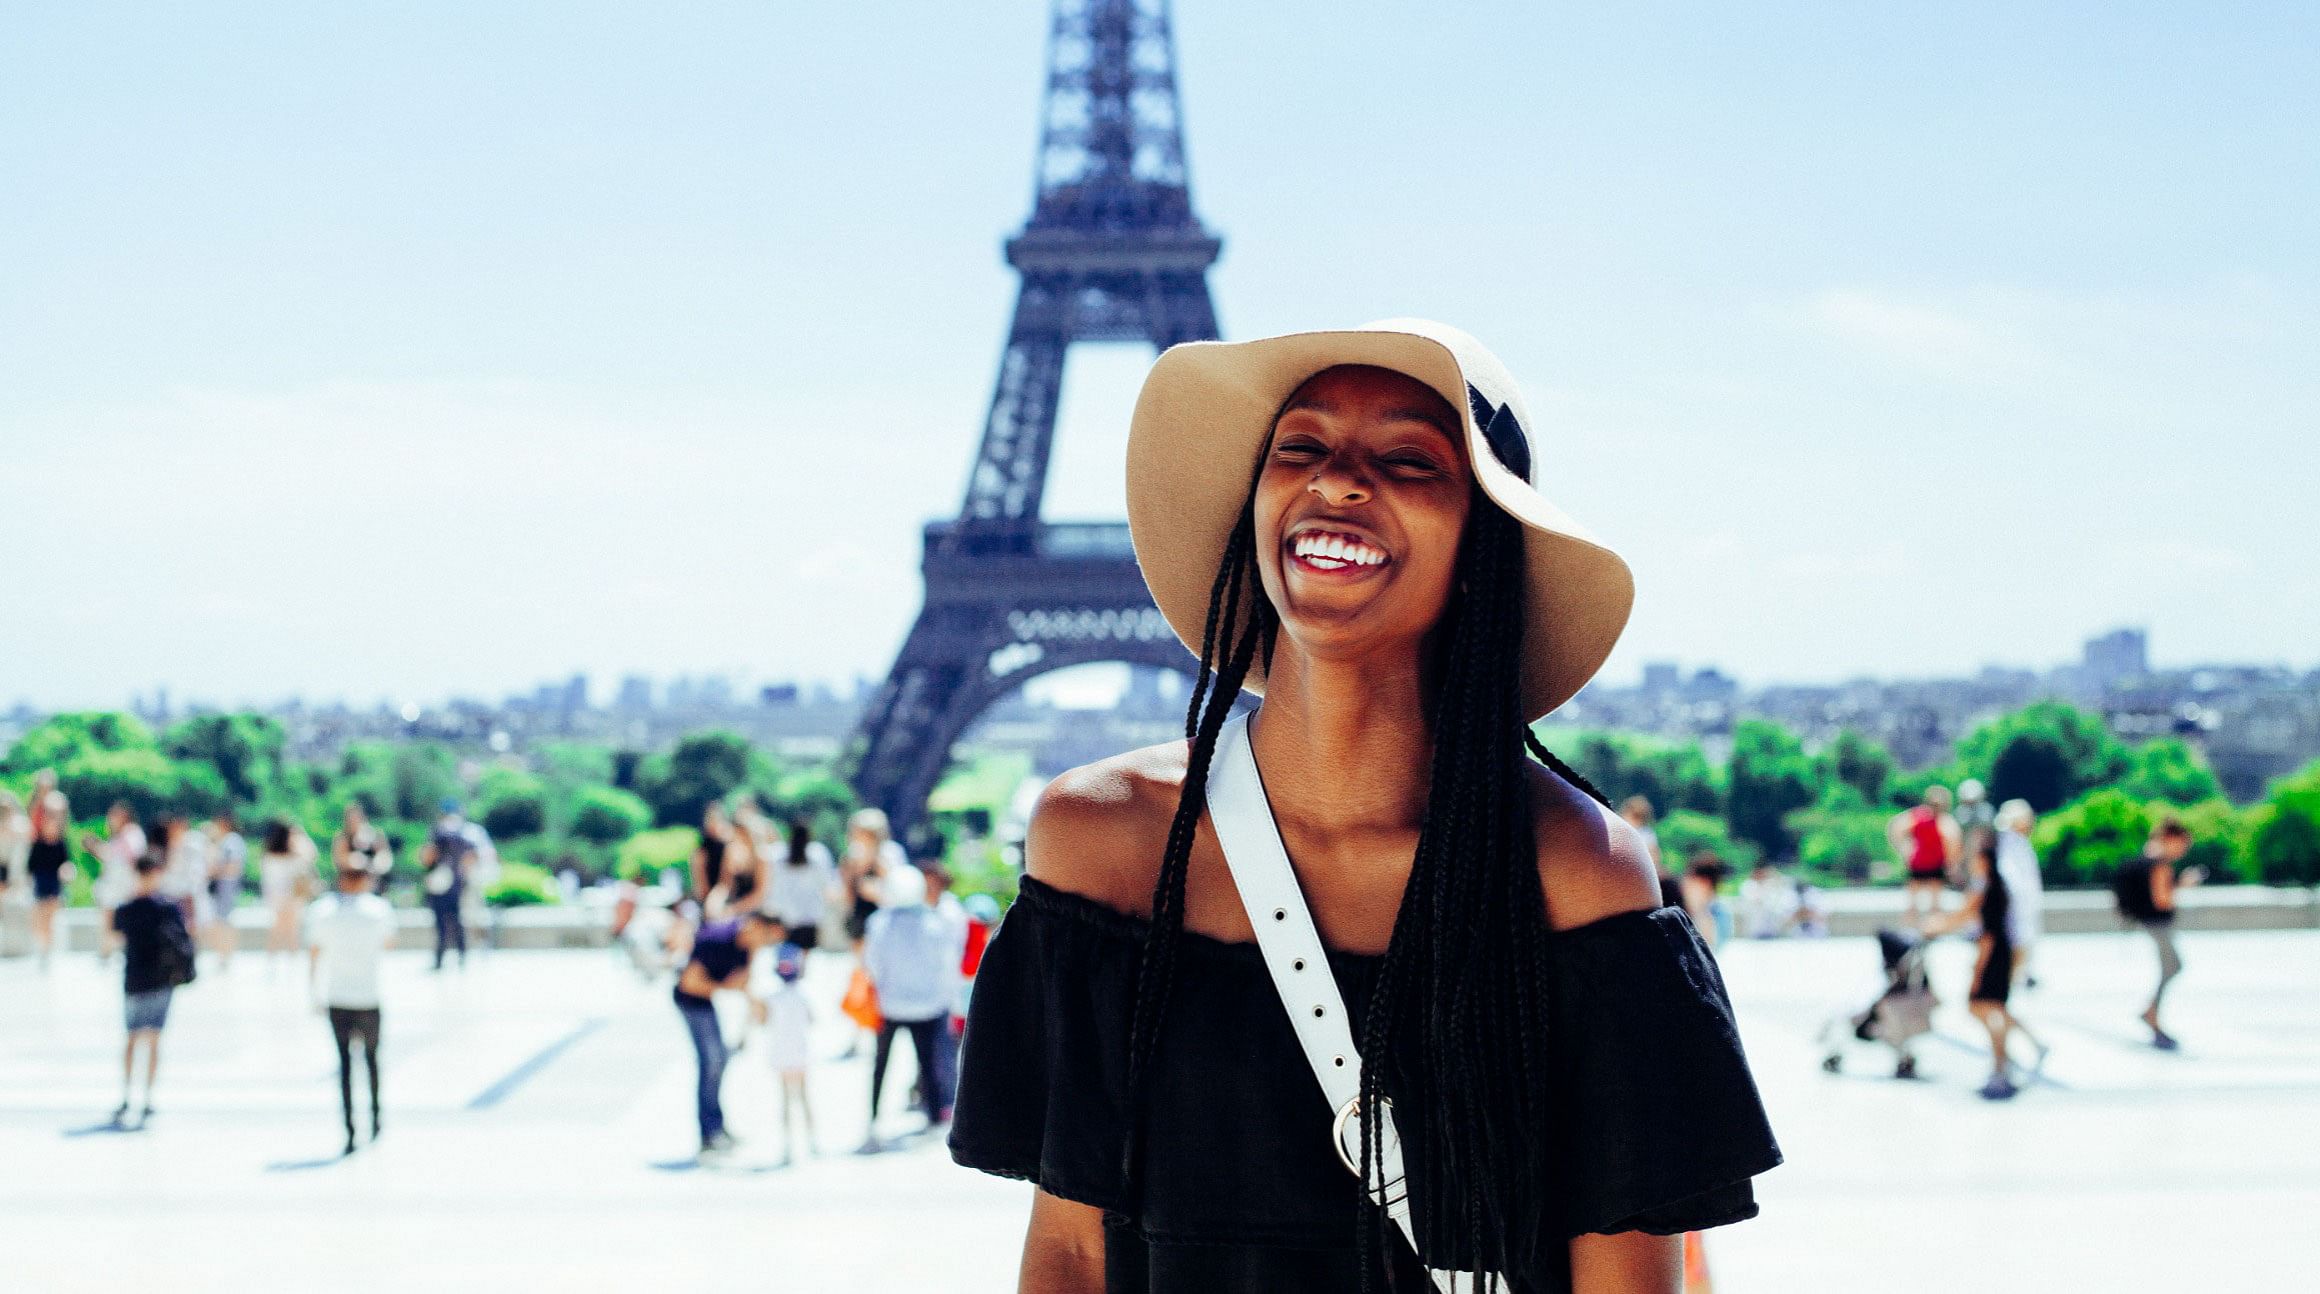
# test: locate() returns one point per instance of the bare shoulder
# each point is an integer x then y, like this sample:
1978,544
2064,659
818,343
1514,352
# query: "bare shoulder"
1098,831
1592,865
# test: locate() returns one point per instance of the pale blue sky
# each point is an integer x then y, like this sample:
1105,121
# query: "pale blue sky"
411,349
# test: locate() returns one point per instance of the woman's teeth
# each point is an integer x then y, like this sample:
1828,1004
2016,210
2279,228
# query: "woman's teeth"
1335,552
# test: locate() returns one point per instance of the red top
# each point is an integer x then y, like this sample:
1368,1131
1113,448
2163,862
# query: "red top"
978,934
1928,852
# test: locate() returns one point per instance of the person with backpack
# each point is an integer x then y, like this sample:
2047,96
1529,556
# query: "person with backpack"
157,959
2145,889
450,851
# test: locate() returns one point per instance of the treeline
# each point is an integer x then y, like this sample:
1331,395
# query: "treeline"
592,809
1824,811
601,811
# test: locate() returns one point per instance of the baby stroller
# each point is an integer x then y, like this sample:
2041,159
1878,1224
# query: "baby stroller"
1898,1015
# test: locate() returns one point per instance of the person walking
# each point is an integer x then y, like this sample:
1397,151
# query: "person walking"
1459,948
1927,842
229,866
2025,888
15,845
871,854
1989,906
450,851
912,954
1976,824
156,960
117,853
2146,890
789,1020
48,859
719,964
185,880
348,934
285,882
800,888
1636,812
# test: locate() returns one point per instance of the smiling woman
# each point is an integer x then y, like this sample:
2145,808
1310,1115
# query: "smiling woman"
1529,1067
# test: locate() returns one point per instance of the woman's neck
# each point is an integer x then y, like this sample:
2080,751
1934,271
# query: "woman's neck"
1344,744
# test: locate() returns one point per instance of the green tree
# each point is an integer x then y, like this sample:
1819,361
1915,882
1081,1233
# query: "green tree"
2086,842
149,782
2074,741
1840,840
2169,769
2033,767
1683,834
512,804
606,815
705,766
1769,778
1862,764
1672,775
245,749
60,738
2283,847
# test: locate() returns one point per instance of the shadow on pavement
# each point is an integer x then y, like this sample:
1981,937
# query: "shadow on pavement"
304,1165
109,1126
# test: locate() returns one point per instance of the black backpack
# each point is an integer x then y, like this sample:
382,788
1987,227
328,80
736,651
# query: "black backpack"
2131,887
177,959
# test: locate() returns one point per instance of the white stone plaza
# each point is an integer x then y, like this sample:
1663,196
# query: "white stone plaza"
539,1137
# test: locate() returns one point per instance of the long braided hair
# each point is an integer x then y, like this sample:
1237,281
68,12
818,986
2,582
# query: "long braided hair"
1455,1022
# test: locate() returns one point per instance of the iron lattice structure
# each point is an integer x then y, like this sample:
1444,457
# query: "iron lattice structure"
1112,252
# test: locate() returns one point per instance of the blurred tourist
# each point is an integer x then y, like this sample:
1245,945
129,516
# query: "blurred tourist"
719,963
1926,840
1988,902
1976,823
2025,889
871,853
709,855
956,929
2146,890
157,957
117,854
738,888
229,867
450,852
1768,902
789,1020
185,875
912,954
801,885
475,912
48,860
349,933
15,845
1637,812
285,883
1703,897
361,845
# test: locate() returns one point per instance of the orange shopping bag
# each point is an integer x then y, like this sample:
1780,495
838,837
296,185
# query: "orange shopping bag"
861,1001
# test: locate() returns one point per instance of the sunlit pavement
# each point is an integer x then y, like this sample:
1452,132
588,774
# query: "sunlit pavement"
539,1137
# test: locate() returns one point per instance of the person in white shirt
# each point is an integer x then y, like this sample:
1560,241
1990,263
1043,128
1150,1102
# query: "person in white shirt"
2018,863
789,1020
349,933
799,883
116,854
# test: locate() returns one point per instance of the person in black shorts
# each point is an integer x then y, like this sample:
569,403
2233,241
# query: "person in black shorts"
46,861
1989,901
157,956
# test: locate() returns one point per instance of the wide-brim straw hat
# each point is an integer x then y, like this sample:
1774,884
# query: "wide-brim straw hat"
1207,411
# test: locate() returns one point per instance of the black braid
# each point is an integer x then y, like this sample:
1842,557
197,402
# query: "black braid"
1454,1032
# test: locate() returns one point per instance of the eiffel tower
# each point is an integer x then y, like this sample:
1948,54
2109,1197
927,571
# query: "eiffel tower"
1112,252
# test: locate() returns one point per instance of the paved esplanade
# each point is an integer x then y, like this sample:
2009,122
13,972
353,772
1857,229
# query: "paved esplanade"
539,1138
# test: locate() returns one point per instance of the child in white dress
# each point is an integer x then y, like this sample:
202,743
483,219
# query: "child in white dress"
788,1030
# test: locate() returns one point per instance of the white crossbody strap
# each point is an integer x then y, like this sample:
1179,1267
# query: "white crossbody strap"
1261,871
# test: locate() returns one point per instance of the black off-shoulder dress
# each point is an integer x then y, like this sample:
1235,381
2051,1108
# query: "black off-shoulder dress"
1660,1127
